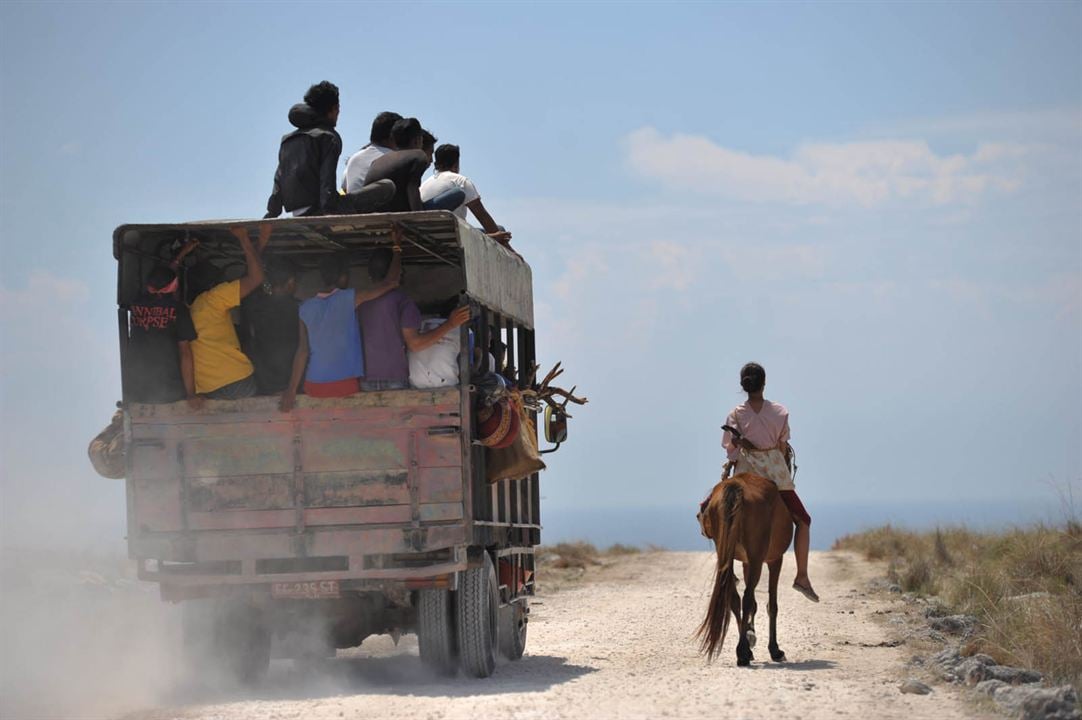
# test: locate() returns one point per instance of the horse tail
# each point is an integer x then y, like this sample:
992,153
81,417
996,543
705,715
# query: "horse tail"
726,537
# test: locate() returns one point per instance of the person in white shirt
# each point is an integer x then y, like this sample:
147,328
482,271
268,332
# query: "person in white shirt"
448,178
380,144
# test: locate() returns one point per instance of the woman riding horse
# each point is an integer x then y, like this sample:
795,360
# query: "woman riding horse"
757,441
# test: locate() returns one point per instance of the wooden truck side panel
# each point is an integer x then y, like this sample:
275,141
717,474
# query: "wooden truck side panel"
354,479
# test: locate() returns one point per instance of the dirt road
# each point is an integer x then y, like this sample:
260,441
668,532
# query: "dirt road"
621,646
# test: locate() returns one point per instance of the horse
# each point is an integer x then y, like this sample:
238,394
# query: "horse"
748,521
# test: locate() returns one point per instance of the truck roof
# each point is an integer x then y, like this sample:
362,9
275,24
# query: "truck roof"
493,275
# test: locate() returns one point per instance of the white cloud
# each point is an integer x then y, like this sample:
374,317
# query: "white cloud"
674,263
865,173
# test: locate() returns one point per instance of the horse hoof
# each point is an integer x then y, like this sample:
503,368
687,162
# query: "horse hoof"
743,662
751,638
777,656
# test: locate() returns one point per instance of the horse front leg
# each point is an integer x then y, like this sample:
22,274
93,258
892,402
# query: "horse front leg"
752,572
776,653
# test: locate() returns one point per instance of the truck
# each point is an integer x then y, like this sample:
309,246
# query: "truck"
295,534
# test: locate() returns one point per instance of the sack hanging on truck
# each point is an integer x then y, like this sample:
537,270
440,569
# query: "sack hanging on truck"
522,457
107,450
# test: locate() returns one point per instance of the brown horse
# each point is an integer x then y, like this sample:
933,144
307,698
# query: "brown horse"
747,520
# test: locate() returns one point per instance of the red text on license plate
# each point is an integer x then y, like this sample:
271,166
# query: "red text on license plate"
311,590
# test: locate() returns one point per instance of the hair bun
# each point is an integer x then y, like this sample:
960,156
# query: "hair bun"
752,377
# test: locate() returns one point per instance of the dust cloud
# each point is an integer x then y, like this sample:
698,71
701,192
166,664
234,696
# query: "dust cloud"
82,638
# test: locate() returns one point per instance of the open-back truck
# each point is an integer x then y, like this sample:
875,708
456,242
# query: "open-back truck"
296,533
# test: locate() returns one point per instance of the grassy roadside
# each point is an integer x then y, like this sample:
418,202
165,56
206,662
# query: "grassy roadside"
1024,586
571,563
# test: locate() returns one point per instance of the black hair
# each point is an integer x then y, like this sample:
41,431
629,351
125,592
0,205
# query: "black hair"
160,276
446,156
202,277
332,267
380,263
405,132
280,271
428,140
752,377
322,97
381,127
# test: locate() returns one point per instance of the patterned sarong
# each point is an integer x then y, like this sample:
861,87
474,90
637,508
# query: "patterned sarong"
768,463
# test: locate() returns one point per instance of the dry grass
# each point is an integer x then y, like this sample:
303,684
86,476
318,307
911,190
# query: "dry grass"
581,554
568,565
1023,585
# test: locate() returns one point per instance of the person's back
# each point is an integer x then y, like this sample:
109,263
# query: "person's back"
272,323
334,338
404,167
382,321
222,370
304,182
380,143
159,324
219,360
448,180
444,180
392,325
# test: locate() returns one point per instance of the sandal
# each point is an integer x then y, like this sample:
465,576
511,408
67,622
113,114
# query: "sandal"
806,591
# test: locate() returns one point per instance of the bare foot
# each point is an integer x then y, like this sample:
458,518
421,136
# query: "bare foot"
804,587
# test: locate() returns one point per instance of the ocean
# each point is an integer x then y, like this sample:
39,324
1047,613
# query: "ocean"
674,528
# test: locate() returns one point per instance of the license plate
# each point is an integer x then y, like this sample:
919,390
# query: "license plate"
314,590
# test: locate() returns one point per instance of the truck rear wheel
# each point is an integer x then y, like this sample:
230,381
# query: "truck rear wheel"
513,619
478,613
436,631
243,641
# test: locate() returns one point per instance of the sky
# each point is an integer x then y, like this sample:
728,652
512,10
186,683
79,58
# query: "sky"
881,203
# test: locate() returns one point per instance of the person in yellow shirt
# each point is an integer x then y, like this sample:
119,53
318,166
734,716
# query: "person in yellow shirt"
222,370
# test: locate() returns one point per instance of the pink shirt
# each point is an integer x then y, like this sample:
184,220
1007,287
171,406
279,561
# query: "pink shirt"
766,429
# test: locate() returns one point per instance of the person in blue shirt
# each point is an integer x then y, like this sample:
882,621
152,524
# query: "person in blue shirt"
329,342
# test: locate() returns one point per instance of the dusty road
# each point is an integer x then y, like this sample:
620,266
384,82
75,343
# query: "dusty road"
621,646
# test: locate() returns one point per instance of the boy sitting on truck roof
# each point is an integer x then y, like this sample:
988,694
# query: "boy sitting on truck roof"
269,326
222,371
447,178
405,167
305,181
329,339
380,143
392,323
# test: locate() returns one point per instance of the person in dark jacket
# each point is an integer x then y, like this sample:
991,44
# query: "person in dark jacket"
305,182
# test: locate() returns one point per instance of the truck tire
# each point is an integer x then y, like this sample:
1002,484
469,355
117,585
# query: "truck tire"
513,622
478,619
436,631
243,641
197,639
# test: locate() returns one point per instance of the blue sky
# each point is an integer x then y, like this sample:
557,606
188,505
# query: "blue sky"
879,202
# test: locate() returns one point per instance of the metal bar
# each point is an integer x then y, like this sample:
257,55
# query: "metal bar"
410,230
509,341
465,411
122,326
524,359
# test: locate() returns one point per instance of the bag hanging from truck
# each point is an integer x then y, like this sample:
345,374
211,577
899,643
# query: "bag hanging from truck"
521,458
